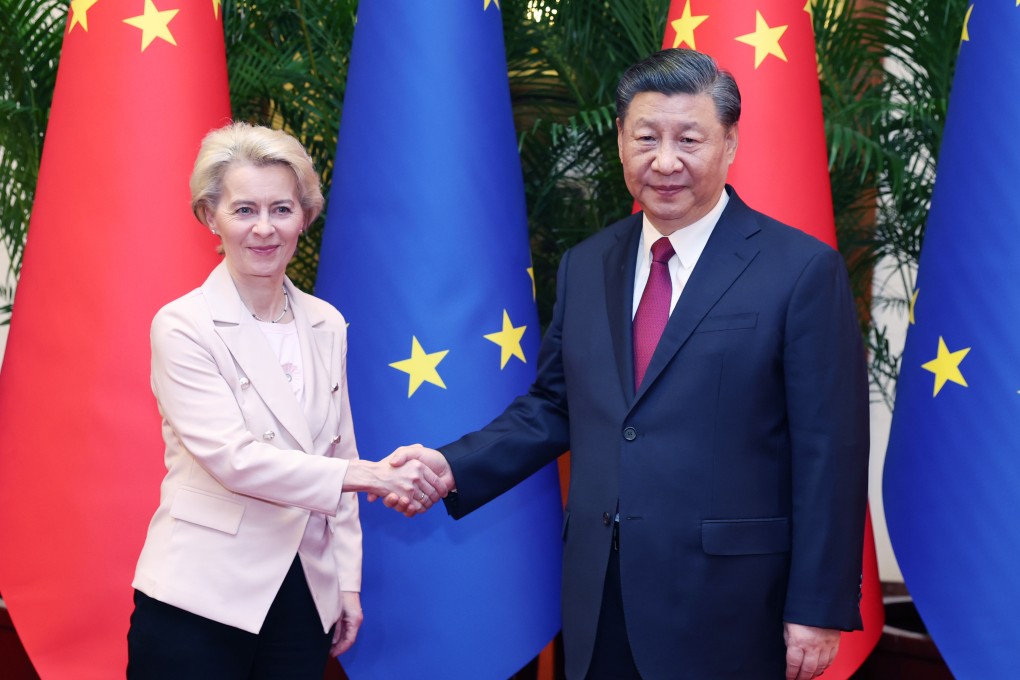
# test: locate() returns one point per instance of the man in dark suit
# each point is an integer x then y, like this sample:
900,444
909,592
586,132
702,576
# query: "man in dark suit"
704,367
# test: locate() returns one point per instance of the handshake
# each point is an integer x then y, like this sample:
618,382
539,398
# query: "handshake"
409,480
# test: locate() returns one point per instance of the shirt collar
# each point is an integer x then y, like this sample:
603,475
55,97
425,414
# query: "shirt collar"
687,242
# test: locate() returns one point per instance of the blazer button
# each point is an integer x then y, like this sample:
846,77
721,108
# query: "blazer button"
606,519
245,383
334,387
336,439
630,434
268,435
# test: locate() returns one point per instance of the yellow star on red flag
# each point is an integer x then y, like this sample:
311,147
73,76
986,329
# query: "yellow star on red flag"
765,40
154,24
80,14
684,27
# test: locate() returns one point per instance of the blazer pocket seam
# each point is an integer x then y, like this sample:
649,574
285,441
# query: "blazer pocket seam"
728,322
207,510
753,536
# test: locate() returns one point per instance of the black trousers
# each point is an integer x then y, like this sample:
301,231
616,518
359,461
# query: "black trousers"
612,658
168,643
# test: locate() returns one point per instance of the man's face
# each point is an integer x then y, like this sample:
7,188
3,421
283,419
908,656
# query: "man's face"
675,156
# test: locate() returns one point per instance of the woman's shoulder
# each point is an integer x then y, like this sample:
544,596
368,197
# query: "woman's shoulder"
319,310
186,311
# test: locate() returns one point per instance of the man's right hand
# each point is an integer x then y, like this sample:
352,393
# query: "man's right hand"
434,460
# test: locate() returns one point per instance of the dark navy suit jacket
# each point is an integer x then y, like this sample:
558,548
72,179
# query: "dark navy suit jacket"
739,467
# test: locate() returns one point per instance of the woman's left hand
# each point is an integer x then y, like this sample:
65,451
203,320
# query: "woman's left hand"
346,630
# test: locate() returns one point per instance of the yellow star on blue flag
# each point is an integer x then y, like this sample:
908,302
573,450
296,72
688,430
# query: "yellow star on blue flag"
509,341
946,366
421,367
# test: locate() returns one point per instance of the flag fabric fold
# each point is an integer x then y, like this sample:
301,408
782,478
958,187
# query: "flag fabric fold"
111,239
426,254
952,474
781,166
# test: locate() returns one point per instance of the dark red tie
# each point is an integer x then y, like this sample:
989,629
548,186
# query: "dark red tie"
653,310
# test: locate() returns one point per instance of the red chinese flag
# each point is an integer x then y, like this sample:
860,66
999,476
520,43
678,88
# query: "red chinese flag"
781,166
111,239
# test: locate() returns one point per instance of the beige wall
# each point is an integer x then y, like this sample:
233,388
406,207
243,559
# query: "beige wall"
887,283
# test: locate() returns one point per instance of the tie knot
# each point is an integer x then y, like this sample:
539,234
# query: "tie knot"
662,250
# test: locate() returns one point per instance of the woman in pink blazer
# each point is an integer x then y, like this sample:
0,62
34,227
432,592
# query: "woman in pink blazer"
251,567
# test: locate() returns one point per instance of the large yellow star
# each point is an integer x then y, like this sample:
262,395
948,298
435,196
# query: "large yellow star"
488,2
765,40
685,25
216,8
80,13
531,274
154,24
965,35
509,341
421,367
913,305
946,366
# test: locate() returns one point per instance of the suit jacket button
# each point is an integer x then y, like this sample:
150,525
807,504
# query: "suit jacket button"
268,435
334,387
336,439
630,434
606,519
245,383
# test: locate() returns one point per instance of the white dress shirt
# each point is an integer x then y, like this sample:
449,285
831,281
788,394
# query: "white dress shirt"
688,244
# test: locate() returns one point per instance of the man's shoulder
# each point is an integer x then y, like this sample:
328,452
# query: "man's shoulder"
771,231
610,236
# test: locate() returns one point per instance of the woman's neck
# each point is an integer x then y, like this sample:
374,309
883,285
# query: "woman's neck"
265,298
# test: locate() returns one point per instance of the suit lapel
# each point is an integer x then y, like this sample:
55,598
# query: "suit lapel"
317,344
253,355
726,255
620,261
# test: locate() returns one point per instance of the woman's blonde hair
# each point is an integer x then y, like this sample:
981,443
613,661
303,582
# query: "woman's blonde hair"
257,145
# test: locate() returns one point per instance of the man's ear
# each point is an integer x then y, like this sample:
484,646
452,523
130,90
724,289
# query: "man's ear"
732,141
619,137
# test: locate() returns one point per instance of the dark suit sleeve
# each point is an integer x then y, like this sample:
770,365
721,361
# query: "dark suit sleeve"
827,396
531,432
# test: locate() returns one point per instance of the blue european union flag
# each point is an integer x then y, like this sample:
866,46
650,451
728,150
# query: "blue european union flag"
952,474
426,254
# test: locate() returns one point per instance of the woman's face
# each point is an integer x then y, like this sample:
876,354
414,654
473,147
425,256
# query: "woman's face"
259,219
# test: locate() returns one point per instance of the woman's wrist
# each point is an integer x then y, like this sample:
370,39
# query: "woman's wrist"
362,475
